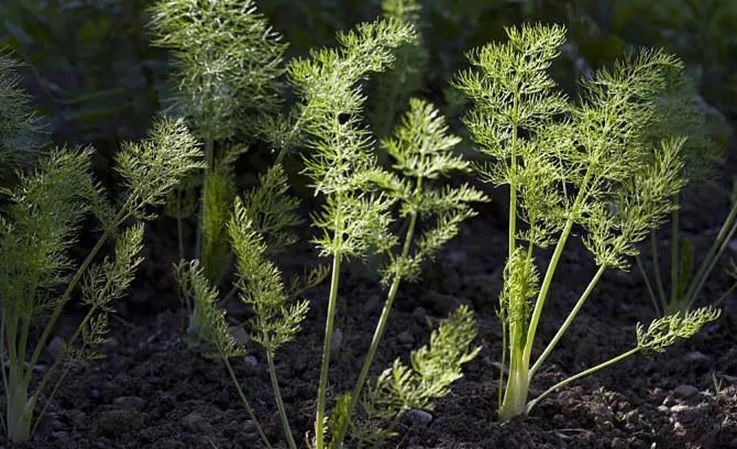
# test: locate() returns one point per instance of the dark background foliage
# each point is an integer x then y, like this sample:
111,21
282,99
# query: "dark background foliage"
92,71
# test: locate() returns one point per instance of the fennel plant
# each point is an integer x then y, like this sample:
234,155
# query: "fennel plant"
586,167
227,66
361,198
46,210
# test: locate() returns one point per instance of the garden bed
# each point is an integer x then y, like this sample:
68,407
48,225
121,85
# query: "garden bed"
156,389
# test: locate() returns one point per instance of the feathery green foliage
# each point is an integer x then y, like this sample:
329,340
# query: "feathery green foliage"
46,211
668,330
219,191
272,210
362,205
657,337
276,322
401,388
430,214
422,153
361,199
267,211
203,299
260,281
228,66
212,325
274,215
106,282
592,165
228,62
341,166
152,168
19,124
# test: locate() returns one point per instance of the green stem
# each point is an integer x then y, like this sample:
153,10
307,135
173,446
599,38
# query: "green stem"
180,230
375,341
246,405
518,384
566,324
715,251
279,401
724,295
656,268
500,386
710,267
383,319
50,398
326,349
550,272
512,233
49,372
209,156
592,370
649,286
2,355
675,262
19,407
66,296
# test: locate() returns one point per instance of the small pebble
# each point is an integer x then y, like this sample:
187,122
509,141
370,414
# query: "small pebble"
60,435
418,416
405,338
685,391
678,408
196,423
694,356
250,361
129,402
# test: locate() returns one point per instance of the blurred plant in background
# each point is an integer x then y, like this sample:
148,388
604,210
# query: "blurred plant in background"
90,66
93,69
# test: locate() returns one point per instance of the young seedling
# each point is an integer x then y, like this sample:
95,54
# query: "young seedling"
228,63
46,210
359,196
588,166
342,168
260,220
681,112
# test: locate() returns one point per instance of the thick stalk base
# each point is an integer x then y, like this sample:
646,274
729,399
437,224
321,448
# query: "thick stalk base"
515,396
19,414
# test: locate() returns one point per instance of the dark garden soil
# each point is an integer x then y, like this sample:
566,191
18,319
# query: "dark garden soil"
154,389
